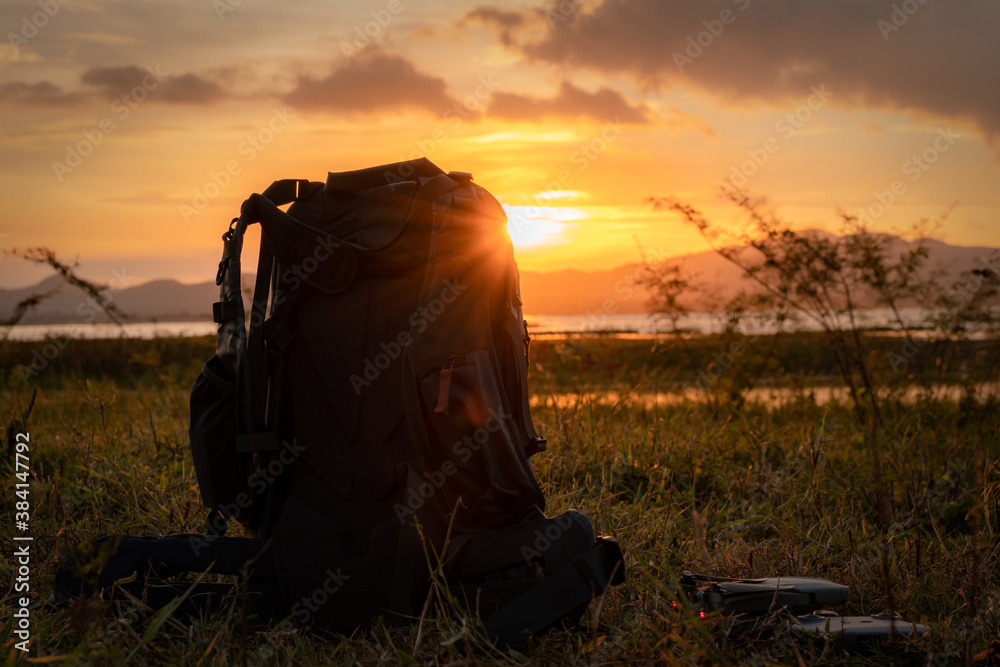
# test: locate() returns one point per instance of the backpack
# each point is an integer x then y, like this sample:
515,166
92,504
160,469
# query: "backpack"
371,431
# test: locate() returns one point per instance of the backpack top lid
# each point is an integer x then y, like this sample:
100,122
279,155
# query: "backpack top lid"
370,177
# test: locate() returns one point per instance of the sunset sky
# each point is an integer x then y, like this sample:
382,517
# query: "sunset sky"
131,131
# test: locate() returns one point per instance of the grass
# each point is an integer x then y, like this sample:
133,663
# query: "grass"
731,488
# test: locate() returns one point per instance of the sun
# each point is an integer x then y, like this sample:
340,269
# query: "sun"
537,225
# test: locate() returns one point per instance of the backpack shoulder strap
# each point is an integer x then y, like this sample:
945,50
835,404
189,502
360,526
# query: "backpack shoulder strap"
244,354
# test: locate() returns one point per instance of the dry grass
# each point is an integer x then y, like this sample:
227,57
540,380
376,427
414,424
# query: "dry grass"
753,490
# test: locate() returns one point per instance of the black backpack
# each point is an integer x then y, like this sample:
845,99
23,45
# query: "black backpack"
372,427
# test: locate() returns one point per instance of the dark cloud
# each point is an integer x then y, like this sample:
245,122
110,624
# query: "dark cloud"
38,94
373,82
183,89
504,21
114,80
571,102
936,57
191,89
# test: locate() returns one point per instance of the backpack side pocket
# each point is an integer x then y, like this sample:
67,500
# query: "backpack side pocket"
214,425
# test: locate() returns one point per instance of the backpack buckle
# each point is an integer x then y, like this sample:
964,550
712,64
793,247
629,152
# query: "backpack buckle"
535,445
461,176
285,191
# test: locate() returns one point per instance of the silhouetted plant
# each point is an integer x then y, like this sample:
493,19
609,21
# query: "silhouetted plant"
41,255
823,279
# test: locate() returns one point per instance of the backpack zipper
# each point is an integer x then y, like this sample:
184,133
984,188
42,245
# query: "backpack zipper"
444,386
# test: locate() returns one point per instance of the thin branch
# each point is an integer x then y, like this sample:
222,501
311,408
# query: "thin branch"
95,291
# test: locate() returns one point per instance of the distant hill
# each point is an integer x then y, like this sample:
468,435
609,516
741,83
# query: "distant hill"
567,292
572,292
163,300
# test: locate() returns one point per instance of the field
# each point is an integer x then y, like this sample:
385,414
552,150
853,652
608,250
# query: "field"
751,473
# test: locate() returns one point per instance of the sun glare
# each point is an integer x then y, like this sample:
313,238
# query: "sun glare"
539,225
561,194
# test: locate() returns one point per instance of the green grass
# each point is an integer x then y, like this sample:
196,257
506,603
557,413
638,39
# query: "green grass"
736,489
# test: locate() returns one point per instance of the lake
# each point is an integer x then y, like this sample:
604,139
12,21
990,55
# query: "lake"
632,323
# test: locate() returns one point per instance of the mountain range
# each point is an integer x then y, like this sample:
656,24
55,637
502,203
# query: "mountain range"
565,292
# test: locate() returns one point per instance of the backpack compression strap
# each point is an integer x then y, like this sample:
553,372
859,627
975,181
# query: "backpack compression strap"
559,595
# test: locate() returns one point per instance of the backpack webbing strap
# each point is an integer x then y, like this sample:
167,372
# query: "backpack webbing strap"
192,553
288,236
255,341
431,190
558,595
173,554
277,194
146,567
